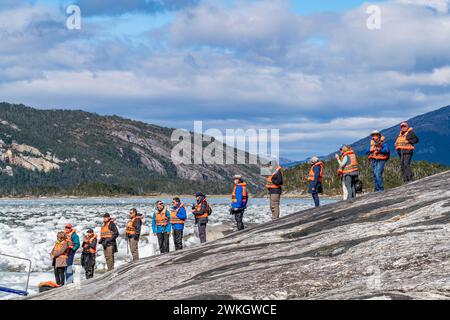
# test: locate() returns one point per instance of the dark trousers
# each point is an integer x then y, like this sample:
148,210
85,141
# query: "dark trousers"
163,241
406,159
316,199
178,239
350,182
202,230
60,275
238,216
88,263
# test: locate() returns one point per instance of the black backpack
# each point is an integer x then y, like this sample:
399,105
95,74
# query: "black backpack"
208,207
358,186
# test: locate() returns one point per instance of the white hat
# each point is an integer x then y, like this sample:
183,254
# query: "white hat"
237,176
375,132
314,159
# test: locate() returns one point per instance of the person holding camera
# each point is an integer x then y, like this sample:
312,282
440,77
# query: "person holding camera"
239,199
108,236
201,211
348,171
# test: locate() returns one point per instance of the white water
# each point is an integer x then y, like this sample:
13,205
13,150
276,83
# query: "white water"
28,229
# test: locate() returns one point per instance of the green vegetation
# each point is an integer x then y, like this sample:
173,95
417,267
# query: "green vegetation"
296,178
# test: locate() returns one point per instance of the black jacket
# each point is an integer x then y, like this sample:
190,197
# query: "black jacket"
137,228
413,139
203,209
278,180
112,240
92,245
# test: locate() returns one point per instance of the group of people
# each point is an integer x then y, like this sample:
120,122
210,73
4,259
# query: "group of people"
171,220
165,221
378,152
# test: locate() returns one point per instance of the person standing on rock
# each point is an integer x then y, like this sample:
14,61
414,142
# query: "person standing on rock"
378,153
161,226
177,219
348,170
239,199
133,232
315,179
74,245
201,211
59,257
108,236
88,254
274,186
405,148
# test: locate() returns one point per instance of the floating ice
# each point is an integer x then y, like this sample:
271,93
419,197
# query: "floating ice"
28,229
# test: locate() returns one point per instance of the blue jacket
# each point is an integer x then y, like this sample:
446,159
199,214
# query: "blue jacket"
239,203
181,215
75,241
384,150
161,229
315,184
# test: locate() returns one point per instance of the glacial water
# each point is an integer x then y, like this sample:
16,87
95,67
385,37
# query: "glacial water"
28,229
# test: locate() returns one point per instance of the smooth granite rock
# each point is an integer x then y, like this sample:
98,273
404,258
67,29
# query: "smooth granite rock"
390,245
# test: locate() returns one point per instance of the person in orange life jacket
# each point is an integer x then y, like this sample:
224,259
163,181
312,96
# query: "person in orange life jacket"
315,179
133,232
274,186
161,226
201,212
74,242
239,200
378,152
177,219
348,170
108,236
89,247
59,257
405,148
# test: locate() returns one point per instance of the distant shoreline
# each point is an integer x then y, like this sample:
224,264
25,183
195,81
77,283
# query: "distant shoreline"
161,196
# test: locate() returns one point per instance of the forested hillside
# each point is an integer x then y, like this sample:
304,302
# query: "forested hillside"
59,152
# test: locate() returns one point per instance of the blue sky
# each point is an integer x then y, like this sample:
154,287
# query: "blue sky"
312,69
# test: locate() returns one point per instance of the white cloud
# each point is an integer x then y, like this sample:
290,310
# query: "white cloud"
321,78
439,5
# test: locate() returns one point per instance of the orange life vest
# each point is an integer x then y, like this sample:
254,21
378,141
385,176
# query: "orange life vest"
58,246
130,230
270,184
105,232
402,143
69,237
48,284
173,215
375,149
88,242
198,207
353,166
161,217
311,171
244,193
